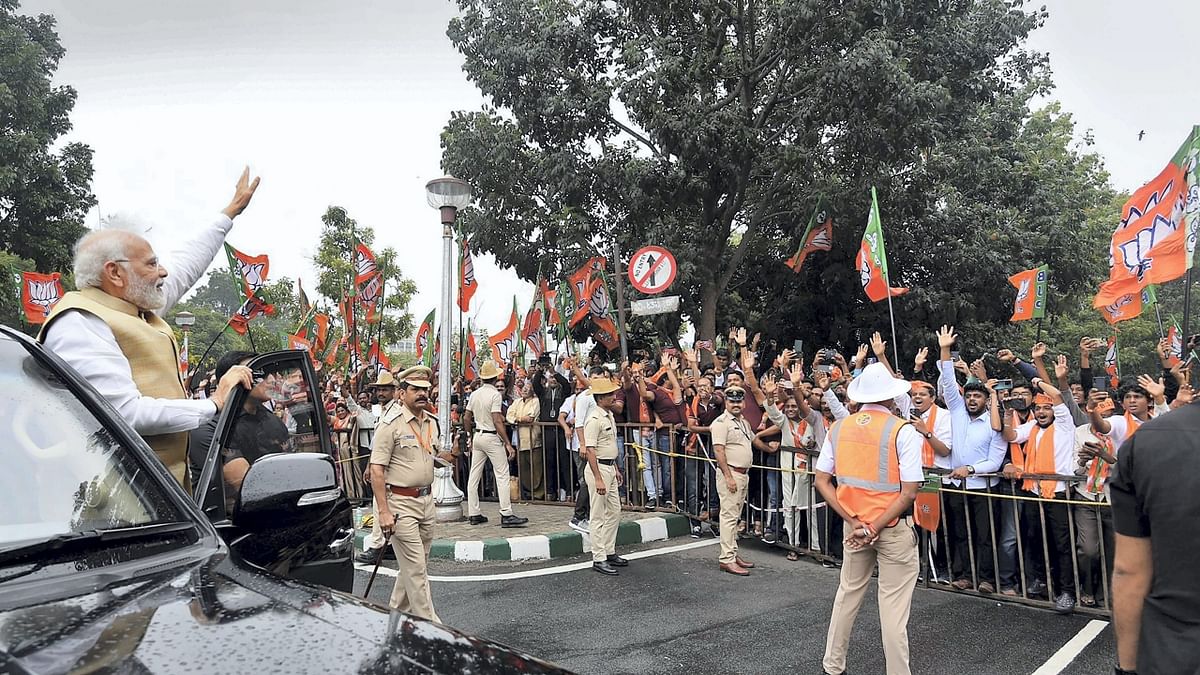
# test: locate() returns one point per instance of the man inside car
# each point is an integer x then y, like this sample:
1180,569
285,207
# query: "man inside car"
257,431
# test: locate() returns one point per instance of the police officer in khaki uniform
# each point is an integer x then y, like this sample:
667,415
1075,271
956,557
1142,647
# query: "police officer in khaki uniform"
731,438
484,421
603,476
406,440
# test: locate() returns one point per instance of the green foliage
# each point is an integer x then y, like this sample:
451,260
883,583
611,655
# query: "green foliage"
44,194
713,127
340,235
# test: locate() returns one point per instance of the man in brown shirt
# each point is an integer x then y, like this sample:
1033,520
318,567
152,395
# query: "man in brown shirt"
731,438
401,475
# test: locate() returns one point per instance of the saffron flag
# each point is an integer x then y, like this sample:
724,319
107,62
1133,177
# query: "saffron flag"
376,356
872,259
297,342
39,294
549,299
1112,362
424,335
467,285
606,332
818,236
183,360
249,271
582,285
321,332
532,337
504,343
471,366
565,308
251,309
332,354
1175,345
927,509
1156,238
302,298
364,264
1127,306
1031,293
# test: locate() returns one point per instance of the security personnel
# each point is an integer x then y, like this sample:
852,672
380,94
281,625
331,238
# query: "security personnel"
876,457
401,475
484,421
603,476
731,438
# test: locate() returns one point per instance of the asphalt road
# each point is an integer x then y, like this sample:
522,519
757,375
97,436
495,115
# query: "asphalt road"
676,612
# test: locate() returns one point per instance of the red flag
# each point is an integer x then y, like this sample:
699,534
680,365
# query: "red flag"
467,285
252,308
504,343
39,294
364,264
582,286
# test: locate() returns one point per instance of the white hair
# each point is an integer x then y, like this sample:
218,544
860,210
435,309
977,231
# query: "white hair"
97,248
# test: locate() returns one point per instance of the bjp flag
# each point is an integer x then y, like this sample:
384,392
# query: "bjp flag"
1175,344
1128,305
39,294
504,344
1031,293
818,236
424,335
1112,362
467,285
582,285
927,509
872,259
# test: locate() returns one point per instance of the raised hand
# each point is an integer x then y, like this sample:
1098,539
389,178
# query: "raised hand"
1038,351
740,336
1087,345
1061,369
822,380
878,346
1006,356
978,370
920,358
769,386
785,358
796,373
1163,350
1156,387
691,356
946,336
861,356
242,194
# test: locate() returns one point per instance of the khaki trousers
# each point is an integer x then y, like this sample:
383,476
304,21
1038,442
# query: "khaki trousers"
605,513
411,539
488,448
731,510
899,564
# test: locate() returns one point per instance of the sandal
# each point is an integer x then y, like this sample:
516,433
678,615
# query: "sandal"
793,556
1087,600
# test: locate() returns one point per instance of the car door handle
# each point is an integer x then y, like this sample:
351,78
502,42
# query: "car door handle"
344,541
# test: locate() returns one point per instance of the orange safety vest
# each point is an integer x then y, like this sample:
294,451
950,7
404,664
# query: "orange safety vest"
867,462
927,452
1037,456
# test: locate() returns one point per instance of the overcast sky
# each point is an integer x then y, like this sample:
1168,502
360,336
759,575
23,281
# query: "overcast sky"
342,104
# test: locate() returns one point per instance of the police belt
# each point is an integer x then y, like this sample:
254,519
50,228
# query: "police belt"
606,462
485,431
409,491
739,469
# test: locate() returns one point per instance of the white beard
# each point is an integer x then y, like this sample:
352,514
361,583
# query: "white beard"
148,296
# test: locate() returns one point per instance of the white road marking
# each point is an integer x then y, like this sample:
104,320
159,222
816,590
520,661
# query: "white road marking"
561,569
1064,656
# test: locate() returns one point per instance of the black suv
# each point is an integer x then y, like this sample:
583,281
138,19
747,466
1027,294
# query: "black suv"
108,565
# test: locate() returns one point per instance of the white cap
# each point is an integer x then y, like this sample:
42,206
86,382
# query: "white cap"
876,385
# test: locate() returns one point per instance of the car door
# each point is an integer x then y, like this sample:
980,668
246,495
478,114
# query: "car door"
311,538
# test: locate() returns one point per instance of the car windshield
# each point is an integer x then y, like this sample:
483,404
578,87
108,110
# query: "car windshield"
63,470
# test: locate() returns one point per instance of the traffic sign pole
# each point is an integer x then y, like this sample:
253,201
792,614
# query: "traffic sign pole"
616,253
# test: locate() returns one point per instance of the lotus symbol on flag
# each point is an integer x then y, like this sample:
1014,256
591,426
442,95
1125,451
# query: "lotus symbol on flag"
363,266
43,294
599,301
1134,250
864,272
822,241
1023,292
1115,308
253,275
504,350
468,272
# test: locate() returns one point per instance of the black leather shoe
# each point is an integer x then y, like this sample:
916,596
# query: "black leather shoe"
513,521
617,561
604,568
371,555
477,520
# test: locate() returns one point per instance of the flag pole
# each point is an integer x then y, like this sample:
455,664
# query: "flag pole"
1158,316
1187,304
1039,331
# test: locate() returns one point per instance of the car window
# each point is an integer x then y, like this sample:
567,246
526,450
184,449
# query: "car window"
63,470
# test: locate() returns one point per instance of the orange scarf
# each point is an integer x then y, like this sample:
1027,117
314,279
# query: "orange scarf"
927,451
798,432
1037,456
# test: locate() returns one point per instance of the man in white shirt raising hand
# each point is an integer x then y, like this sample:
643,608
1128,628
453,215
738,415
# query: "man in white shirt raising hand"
111,330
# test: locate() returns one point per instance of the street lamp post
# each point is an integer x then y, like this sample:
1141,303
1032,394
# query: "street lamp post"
448,195
185,321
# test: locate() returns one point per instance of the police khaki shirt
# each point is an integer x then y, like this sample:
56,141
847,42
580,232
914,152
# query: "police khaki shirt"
405,445
483,402
600,432
734,433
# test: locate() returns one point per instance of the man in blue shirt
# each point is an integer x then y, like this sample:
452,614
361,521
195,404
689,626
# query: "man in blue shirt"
977,448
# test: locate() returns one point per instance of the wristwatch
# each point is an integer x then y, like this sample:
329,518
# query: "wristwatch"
928,435
1117,670
971,469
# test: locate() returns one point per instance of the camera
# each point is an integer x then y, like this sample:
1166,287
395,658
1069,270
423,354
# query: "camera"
1003,385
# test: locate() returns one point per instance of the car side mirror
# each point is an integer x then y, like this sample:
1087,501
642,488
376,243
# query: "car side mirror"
286,490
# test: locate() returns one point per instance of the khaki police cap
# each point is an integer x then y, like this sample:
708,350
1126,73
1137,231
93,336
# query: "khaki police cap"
417,376
602,385
489,370
384,379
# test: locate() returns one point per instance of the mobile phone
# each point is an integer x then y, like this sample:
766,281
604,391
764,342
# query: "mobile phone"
955,356
798,347
872,360
1003,385
1100,382
825,368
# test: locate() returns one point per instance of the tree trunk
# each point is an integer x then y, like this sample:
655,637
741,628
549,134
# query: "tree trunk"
706,323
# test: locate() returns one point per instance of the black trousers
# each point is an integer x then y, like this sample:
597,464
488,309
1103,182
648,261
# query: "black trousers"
1053,543
972,509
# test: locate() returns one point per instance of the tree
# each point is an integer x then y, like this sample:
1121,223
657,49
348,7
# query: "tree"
214,303
340,235
713,127
44,194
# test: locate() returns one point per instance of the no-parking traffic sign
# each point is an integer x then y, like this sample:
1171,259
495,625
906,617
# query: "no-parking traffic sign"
652,270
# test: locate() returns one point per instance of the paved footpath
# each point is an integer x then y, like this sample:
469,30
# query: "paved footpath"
672,611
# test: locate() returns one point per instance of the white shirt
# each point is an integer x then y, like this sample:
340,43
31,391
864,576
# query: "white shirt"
1064,442
943,430
1119,431
87,344
909,444
584,404
568,409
